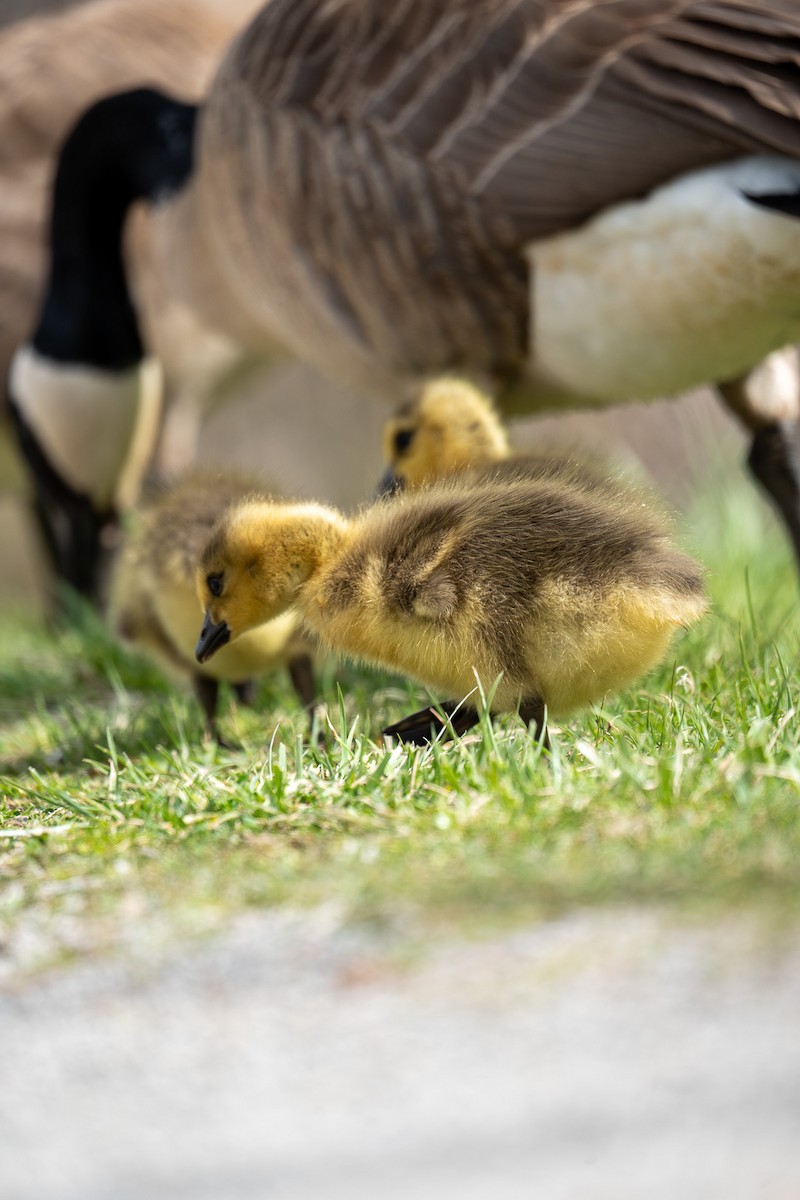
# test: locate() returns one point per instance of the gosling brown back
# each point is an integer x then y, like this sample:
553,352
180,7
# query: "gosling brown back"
526,576
551,593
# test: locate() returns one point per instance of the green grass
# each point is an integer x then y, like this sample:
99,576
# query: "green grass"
686,790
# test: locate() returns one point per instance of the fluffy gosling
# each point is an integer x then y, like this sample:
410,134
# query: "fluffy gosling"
549,593
153,598
452,428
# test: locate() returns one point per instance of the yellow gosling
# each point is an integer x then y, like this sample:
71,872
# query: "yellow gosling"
452,428
557,592
153,600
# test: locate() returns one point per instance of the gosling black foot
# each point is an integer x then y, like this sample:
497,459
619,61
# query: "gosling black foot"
428,725
207,692
774,460
532,711
246,692
301,673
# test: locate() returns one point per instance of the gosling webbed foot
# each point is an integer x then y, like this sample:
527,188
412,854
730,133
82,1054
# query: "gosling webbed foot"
428,725
224,743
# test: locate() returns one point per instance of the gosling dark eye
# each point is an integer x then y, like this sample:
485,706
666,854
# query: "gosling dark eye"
214,583
402,440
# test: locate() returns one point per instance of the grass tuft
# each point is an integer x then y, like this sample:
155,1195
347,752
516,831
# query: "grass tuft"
684,790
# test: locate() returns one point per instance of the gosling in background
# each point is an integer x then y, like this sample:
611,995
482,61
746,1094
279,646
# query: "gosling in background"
452,428
559,593
153,597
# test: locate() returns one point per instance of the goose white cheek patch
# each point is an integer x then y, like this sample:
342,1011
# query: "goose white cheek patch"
97,428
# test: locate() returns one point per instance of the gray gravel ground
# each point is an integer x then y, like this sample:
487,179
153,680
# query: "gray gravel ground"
602,1056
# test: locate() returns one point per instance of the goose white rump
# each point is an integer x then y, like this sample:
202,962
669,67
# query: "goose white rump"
694,283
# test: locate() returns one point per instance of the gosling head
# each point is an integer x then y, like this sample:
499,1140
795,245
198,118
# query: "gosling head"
452,425
255,562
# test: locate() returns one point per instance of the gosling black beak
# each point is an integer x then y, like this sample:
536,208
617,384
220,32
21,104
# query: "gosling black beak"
390,485
212,638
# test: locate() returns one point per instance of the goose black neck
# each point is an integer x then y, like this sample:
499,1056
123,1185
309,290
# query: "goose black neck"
135,145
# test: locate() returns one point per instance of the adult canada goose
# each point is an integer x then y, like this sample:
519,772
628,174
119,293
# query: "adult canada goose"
572,201
153,600
556,593
52,65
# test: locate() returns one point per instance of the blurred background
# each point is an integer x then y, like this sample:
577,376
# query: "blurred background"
303,434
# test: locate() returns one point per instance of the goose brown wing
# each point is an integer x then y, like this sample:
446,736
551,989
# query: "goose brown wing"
599,102
541,110
729,65
406,152
701,85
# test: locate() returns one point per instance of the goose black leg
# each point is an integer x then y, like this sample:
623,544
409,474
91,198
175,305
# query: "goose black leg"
767,402
425,726
774,460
